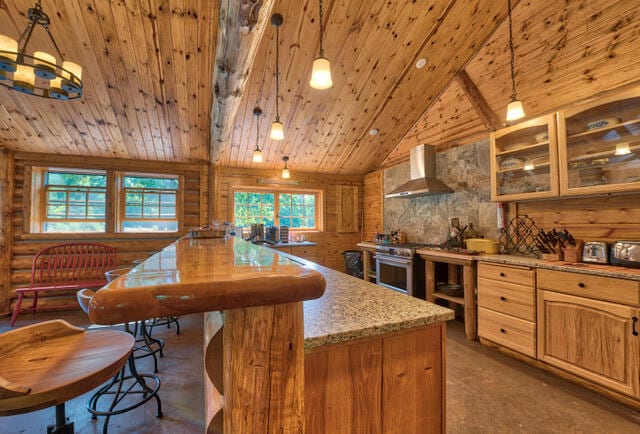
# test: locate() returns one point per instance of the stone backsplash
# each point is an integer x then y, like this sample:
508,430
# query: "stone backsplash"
426,219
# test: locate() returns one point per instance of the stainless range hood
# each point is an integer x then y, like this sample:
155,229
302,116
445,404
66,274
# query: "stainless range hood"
423,175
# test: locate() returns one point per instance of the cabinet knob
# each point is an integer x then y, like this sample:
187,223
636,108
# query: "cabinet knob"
634,331
501,274
581,285
503,331
503,298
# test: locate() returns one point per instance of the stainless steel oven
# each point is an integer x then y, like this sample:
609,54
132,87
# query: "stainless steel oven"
400,273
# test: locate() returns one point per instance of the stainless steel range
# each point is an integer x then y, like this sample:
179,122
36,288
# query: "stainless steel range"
398,267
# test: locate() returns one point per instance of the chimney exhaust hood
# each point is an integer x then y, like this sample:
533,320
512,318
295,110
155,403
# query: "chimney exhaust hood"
423,175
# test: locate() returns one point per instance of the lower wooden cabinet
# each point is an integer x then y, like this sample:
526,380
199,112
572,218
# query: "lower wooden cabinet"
593,339
506,306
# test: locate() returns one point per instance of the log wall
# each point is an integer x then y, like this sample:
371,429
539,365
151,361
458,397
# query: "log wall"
331,244
603,218
129,246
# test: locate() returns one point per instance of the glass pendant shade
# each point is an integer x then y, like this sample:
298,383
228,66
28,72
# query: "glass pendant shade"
44,65
285,173
277,131
8,53
515,110
24,79
622,149
528,165
321,74
257,156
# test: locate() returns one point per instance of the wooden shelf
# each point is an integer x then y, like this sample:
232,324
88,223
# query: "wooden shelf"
521,168
599,131
451,298
523,148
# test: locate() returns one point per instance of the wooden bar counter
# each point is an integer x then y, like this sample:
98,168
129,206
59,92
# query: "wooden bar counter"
368,359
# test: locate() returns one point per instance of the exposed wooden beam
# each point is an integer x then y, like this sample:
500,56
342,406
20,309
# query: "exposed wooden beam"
240,31
488,116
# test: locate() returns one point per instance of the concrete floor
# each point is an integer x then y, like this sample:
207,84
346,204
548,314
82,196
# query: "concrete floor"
487,392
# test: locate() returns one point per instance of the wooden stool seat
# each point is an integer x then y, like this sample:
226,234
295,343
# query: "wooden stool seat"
48,363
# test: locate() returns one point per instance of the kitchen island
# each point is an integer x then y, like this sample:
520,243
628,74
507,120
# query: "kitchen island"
373,359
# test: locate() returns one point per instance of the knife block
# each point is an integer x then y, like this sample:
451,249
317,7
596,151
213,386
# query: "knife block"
558,256
573,253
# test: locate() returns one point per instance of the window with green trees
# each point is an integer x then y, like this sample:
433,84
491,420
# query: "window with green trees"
74,202
297,210
149,204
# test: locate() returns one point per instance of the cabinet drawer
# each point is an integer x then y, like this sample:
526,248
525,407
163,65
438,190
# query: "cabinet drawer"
585,285
507,298
505,273
511,332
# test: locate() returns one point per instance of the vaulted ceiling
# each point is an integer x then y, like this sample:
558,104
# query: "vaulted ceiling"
177,80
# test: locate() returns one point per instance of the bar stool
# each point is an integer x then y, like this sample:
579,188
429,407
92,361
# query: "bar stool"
145,345
167,320
121,385
52,362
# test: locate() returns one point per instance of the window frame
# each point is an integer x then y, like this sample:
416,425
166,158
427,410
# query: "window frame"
35,212
319,201
121,218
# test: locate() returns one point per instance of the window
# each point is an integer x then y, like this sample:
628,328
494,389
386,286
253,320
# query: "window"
297,210
85,200
74,202
149,204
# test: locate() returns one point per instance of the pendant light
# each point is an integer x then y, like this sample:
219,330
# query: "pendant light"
321,71
285,171
257,153
18,70
277,128
515,110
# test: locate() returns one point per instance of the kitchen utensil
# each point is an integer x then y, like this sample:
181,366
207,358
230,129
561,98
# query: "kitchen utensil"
626,254
595,251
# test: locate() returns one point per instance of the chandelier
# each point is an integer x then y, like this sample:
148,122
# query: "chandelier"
38,73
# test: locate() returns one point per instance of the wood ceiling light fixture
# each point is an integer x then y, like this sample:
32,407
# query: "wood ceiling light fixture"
321,72
515,110
257,153
285,172
38,74
277,128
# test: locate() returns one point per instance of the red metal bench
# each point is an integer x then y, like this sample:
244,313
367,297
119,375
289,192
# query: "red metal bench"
68,266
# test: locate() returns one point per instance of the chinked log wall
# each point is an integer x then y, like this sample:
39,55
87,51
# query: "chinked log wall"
331,242
129,246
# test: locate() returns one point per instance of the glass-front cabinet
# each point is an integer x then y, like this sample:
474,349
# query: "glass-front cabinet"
524,160
599,145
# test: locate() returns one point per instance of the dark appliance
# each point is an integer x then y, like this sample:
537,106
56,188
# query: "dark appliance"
398,267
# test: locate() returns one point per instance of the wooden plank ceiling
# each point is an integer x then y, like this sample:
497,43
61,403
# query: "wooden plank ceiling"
149,73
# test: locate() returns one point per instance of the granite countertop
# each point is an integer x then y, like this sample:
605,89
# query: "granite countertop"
352,308
580,267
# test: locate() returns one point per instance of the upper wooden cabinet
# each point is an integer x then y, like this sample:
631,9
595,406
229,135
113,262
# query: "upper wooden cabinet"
524,160
347,209
599,145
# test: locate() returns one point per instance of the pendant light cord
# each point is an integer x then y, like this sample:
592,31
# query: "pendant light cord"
277,73
513,68
321,18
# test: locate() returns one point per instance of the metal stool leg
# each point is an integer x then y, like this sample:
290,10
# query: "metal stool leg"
121,386
62,426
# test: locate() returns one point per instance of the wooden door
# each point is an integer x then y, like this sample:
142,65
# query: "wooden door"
347,220
590,338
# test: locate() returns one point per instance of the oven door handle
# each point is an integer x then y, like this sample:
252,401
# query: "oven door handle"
393,259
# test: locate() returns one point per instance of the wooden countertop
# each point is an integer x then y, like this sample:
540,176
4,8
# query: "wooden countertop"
202,275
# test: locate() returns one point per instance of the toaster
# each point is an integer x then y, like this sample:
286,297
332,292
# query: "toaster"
626,254
595,251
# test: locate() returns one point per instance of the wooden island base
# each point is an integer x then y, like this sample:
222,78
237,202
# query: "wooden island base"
392,383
